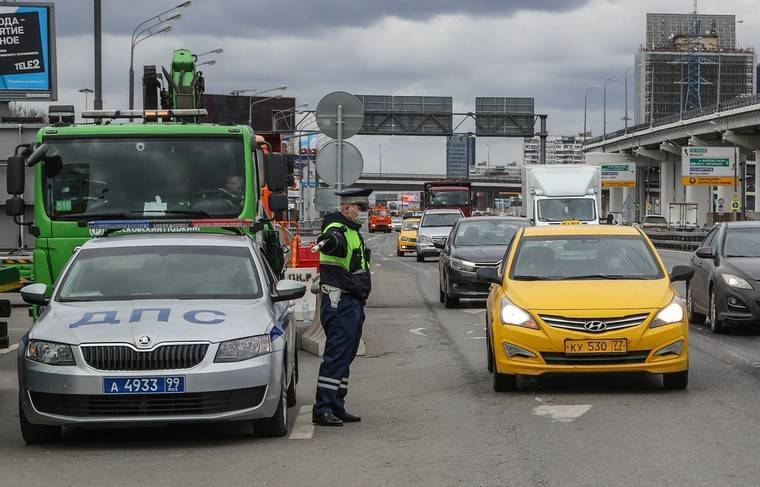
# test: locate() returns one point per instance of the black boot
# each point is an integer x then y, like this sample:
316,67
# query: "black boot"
347,417
326,419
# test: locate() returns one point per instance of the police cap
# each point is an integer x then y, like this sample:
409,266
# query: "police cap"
352,196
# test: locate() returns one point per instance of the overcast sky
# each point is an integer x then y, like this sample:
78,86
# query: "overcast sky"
552,50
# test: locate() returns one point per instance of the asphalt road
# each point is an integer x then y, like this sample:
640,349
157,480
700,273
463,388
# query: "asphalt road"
430,416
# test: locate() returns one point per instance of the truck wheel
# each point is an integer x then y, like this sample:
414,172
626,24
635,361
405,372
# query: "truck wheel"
34,434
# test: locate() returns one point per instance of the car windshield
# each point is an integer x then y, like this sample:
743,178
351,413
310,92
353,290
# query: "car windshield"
566,209
410,225
161,272
139,177
440,219
660,220
380,212
742,242
454,198
485,232
585,257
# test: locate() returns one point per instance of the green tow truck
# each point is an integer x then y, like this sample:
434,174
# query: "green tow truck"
165,166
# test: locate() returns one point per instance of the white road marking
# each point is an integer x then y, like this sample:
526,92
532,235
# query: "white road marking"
303,429
475,338
378,265
417,331
561,413
473,311
10,349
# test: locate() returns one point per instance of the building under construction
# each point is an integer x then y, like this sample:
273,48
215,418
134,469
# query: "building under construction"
690,61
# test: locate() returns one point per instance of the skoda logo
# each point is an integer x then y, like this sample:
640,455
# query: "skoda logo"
595,326
143,341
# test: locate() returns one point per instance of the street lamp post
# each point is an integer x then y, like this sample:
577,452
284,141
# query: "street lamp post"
86,92
604,116
626,118
250,107
210,62
279,113
585,111
141,29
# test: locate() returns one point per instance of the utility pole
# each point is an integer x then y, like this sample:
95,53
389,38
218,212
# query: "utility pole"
98,101
380,157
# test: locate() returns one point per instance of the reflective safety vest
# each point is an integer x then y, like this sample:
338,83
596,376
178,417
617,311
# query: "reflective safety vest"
350,272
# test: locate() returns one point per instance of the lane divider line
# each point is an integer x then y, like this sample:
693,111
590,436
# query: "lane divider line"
303,429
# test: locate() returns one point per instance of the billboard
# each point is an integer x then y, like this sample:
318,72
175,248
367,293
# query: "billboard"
264,112
709,166
504,117
406,115
619,175
27,51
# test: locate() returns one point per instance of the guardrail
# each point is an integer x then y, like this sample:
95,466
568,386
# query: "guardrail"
687,240
439,177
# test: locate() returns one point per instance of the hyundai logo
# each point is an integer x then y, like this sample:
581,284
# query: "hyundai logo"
595,326
143,341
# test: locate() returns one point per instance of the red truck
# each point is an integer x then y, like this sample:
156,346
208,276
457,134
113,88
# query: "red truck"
449,194
379,220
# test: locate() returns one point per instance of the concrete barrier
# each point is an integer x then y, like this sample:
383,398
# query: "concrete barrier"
687,241
313,340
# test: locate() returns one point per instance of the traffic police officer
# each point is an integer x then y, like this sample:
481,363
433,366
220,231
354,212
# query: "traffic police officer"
346,283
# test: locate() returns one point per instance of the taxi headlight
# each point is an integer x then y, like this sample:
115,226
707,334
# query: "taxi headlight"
736,281
407,239
462,265
516,316
243,348
50,353
672,313
424,239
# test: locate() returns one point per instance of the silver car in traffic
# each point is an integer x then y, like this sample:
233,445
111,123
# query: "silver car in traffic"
435,226
156,329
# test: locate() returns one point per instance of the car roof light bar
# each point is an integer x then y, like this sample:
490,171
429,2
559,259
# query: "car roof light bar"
149,114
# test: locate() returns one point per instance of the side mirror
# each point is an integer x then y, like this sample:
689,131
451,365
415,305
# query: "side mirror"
705,253
681,273
278,202
439,244
35,294
274,172
38,154
15,178
488,274
287,290
14,206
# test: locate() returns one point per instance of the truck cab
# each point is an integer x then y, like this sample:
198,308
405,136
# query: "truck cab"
379,220
563,194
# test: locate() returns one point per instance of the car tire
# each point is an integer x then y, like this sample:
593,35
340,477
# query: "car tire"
489,353
292,387
449,301
441,293
676,380
420,258
716,326
35,434
694,317
277,425
399,253
503,382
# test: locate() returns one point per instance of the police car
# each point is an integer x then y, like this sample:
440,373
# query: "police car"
161,328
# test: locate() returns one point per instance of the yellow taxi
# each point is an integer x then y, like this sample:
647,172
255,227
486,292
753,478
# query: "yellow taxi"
407,238
585,299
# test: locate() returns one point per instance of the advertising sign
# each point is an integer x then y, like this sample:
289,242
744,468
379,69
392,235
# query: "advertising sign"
709,166
27,51
619,175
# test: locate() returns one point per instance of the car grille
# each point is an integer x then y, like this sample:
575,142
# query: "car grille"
117,405
579,323
558,358
164,357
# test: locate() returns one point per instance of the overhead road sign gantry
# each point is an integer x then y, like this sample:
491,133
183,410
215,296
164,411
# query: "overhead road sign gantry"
407,115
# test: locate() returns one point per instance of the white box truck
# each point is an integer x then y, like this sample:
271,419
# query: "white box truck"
563,193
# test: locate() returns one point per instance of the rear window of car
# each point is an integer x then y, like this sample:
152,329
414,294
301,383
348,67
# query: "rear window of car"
161,272
440,219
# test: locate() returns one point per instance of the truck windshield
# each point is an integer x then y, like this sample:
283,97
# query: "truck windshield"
453,198
144,177
566,209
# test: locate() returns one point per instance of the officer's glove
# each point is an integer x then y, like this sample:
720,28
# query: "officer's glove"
332,242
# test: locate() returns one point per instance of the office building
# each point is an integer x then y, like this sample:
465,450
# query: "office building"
460,155
563,149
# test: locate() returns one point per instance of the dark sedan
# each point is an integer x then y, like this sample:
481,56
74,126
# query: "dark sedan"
474,243
726,285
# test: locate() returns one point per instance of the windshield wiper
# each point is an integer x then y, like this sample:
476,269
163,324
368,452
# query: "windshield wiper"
533,278
600,276
199,213
91,216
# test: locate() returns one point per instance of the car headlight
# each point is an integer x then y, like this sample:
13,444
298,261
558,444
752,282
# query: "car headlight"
672,313
50,353
407,239
736,281
424,239
243,348
462,265
514,315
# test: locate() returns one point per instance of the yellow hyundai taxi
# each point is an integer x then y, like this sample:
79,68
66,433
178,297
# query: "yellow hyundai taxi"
585,299
407,239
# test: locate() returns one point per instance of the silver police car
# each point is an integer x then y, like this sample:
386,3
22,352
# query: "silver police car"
156,329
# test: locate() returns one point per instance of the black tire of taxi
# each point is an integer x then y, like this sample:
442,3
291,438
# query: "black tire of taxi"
34,434
277,425
399,253
676,380
502,382
694,317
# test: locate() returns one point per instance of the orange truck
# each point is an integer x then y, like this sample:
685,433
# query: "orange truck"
379,220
